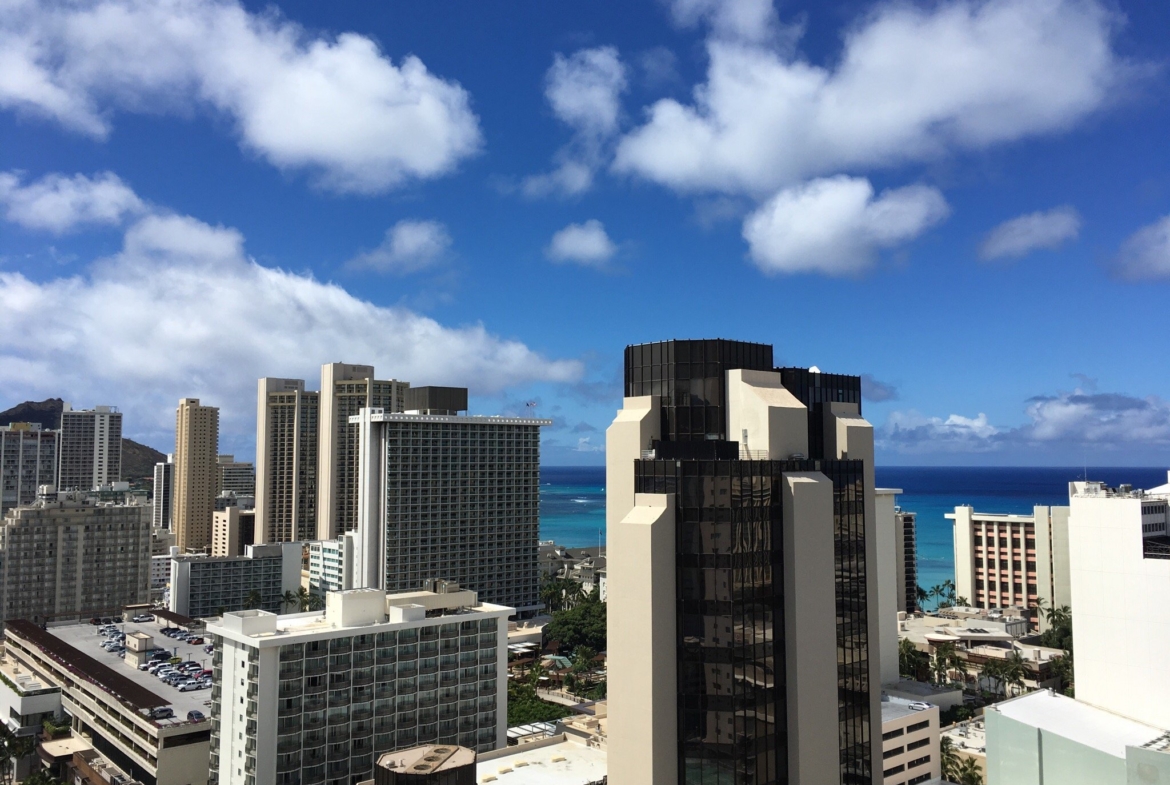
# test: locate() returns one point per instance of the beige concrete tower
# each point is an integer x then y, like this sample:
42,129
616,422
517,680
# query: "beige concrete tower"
286,461
346,390
196,473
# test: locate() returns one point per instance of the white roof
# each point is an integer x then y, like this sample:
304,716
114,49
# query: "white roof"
1080,722
566,763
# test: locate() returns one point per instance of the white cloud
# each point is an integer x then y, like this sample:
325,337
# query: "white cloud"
1056,424
912,83
835,225
57,203
335,106
584,91
1026,233
409,246
181,310
585,243
1146,254
753,20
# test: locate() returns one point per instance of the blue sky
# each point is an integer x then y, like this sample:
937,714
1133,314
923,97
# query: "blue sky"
968,202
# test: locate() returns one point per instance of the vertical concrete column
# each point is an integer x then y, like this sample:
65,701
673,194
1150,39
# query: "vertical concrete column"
810,630
371,545
637,424
643,652
966,562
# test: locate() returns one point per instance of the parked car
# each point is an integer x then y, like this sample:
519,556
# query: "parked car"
205,674
187,686
162,713
209,648
196,641
195,716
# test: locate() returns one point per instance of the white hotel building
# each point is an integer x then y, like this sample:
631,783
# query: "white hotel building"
315,698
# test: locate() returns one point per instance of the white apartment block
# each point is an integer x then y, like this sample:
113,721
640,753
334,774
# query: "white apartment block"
206,586
239,477
453,496
1119,555
73,558
910,742
346,390
28,460
331,564
164,488
111,702
1004,561
286,460
316,698
196,473
91,448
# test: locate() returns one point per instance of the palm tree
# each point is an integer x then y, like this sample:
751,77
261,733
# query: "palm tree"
253,599
969,773
993,672
316,602
1015,669
962,602
945,655
289,599
936,591
1062,668
921,595
303,598
908,658
948,758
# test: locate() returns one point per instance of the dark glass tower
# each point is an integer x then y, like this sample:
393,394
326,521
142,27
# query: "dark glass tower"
732,719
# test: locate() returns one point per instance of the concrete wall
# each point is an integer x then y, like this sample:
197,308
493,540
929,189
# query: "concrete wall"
888,535
810,629
638,422
963,534
643,669
763,416
1121,620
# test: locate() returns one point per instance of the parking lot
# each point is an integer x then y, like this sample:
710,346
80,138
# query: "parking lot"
87,638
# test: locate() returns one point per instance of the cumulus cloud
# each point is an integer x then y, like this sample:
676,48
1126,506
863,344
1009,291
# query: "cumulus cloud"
1102,421
332,105
181,310
753,20
1034,231
409,246
877,391
585,244
836,226
1146,254
584,91
57,203
913,82
585,444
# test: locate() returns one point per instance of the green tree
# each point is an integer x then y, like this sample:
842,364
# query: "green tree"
303,598
316,602
910,659
968,772
1015,669
1062,668
922,595
253,599
946,657
993,673
581,625
289,599
524,706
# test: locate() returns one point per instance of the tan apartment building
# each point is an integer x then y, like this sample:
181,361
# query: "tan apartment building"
346,390
91,448
196,473
73,558
910,742
232,530
28,460
1004,561
286,461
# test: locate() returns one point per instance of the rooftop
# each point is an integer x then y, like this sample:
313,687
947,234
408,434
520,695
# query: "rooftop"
381,415
896,708
79,646
968,737
559,763
1078,721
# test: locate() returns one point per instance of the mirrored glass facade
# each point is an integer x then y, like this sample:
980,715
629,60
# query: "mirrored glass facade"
730,563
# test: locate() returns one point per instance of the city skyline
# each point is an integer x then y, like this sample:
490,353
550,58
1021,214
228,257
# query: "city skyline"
991,256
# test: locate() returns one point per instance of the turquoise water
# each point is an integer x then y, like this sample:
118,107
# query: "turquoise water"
572,501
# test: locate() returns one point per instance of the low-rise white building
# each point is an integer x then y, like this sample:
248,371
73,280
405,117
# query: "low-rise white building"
910,742
1044,738
331,566
204,586
25,700
318,697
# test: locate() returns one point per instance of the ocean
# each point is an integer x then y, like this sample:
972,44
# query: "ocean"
572,501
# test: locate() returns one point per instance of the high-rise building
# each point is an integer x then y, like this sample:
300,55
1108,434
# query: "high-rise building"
906,542
73,558
452,495
345,391
417,668
233,529
90,455
196,473
28,460
1119,556
1004,561
164,489
238,477
286,461
741,602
